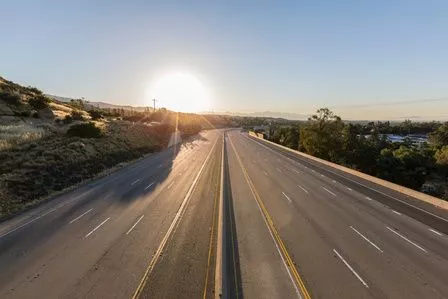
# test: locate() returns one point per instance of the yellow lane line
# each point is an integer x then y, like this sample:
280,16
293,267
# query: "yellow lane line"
289,262
211,239
176,219
232,238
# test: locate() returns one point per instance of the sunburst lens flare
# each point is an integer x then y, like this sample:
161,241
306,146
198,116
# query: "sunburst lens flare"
181,92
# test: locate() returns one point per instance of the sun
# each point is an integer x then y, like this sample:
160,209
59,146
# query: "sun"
180,92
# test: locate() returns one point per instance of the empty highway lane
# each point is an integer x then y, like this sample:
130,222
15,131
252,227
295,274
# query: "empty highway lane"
98,240
345,242
226,215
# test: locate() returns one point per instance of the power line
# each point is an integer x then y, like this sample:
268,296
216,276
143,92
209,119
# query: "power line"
154,100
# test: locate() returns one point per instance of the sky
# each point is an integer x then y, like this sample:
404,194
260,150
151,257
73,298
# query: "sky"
363,59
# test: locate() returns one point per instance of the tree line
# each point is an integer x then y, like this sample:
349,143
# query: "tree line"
366,148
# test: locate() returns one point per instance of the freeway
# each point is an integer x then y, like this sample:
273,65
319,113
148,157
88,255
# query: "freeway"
344,239
99,240
226,215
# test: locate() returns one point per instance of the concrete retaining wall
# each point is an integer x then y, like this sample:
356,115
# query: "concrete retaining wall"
415,194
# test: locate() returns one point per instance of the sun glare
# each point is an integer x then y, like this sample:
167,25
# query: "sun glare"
180,92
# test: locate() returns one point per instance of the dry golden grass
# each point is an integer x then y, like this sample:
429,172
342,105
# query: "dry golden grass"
14,135
31,171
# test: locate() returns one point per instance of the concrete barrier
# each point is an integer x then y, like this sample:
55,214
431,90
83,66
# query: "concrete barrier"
413,193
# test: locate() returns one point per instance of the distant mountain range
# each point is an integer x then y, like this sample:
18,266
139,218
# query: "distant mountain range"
101,105
270,114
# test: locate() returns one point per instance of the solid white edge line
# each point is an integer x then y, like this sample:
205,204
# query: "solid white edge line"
406,239
329,191
20,226
358,183
304,190
135,224
436,232
287,197
97,227
351,269
365,238
79,217
149,186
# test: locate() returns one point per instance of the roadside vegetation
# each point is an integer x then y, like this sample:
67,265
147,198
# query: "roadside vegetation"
47,146
366,147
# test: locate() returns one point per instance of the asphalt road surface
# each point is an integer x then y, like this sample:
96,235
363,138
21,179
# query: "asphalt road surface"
99,240
347,238
232,211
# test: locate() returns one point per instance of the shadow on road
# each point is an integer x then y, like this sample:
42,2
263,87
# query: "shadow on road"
116,188
233,273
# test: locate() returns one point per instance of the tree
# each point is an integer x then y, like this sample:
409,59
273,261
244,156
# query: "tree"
406,127
440,136
285,135
321,136
407,166
388,166
441,156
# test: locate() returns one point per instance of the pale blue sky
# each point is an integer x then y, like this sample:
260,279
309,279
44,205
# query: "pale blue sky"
289,56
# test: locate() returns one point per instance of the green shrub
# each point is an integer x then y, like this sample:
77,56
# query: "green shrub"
77,115
25,113
85,130
39,102
34,90
134,118
11,98
95,114
67,120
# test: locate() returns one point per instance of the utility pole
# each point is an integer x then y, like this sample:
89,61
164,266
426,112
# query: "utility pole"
154,100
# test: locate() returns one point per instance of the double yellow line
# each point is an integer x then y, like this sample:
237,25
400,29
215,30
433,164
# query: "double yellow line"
287,258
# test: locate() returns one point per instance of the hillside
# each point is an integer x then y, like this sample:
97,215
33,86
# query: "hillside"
101,105
48,145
